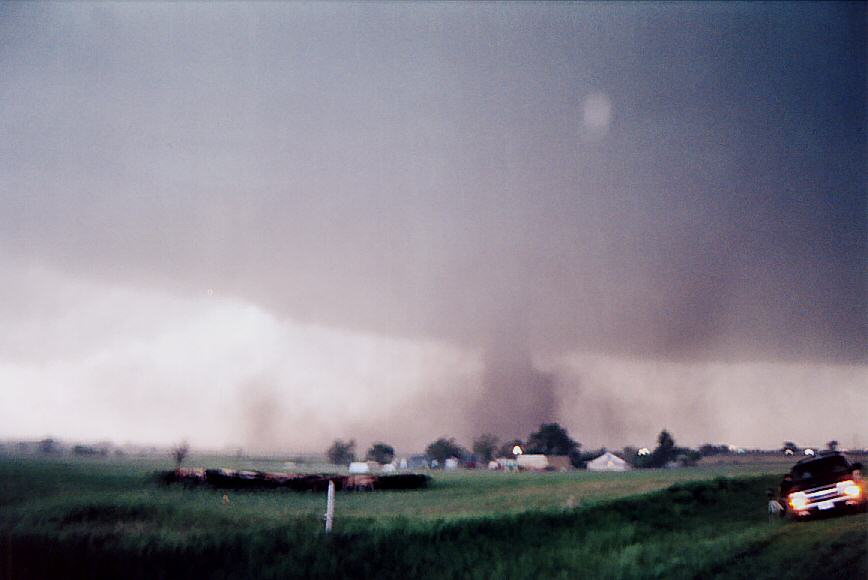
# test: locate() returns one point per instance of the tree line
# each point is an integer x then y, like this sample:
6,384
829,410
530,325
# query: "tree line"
549,439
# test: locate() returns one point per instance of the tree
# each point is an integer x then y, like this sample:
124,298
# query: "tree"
48,446
342,452
180,452
88,450
552,439
709,449
686,456
643,461
485,446
630,454
506,448
665,451
443,449
381,453
832,445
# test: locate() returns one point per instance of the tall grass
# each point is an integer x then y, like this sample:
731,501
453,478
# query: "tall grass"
691,529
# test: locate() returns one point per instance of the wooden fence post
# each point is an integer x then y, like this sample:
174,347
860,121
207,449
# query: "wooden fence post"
330,507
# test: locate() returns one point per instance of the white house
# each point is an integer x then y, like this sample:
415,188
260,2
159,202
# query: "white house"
608,462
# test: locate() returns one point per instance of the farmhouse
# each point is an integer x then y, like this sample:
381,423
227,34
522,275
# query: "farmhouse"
608,462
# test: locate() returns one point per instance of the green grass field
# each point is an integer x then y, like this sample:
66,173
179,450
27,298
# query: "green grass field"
108,519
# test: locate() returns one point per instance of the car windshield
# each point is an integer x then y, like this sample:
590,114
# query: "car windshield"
820,467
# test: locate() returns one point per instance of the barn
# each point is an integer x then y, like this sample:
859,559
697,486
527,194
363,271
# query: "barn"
608,462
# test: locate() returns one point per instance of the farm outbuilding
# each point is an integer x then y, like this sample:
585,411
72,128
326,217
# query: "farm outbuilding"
506,463
559,462
532,461
357,467
608,462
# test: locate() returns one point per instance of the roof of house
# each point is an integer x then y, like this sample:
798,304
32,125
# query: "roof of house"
607,457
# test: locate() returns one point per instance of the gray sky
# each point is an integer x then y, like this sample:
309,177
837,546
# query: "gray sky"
272,224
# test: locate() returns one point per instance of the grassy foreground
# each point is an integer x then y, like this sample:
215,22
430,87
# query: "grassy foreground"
107,520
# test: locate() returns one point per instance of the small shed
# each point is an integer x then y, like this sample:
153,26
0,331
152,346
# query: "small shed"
608,462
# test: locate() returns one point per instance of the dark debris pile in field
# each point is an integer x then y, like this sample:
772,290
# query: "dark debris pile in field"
232,479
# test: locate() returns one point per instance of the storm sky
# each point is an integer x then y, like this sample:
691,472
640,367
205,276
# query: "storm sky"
269,225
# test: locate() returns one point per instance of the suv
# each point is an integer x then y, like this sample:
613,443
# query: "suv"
823,483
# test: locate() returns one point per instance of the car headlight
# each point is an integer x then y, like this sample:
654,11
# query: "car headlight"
798,500
850,489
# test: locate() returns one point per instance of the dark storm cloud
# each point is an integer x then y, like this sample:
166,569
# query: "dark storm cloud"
666,181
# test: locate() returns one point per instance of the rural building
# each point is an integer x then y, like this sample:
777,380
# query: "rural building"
608,462
532,461
506,463
559,462
359,467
